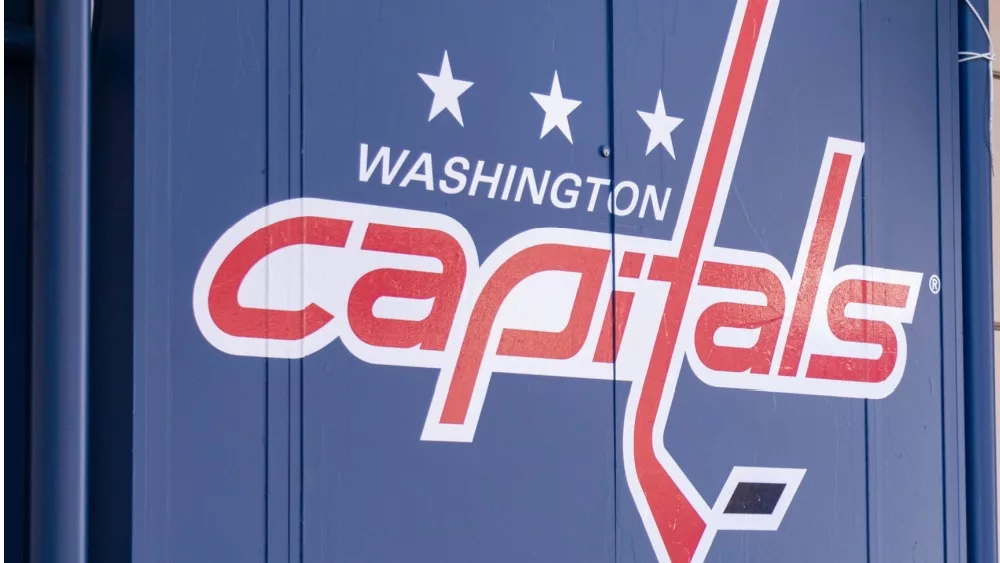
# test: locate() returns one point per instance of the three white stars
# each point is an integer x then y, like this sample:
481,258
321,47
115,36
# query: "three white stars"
447,89
557,109
660,126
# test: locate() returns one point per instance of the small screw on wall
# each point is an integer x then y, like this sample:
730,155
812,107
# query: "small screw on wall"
605,151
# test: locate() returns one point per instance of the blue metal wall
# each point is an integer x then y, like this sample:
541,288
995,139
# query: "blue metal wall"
203,113
241,104
977,286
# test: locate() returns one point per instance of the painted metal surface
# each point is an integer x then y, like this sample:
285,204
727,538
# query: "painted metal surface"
361,334
60,205
977,287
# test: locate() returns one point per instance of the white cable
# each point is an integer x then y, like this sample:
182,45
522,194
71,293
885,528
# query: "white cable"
966,56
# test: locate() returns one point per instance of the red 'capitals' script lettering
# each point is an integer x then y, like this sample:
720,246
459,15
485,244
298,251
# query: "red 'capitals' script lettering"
236,320
588,262
443,289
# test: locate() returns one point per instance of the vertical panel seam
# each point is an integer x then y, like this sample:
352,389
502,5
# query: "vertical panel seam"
615,441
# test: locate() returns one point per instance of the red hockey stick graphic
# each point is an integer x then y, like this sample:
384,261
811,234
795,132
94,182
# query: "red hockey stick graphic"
674,513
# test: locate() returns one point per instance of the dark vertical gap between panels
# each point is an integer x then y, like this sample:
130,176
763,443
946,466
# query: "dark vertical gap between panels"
109,466
17,295
290,363
940,266
18,92
278,374
278,370
267,191
863,8
300,532
949,235
615,433
945,426
296,367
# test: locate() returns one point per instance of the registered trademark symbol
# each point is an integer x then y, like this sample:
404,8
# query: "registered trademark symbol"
935,284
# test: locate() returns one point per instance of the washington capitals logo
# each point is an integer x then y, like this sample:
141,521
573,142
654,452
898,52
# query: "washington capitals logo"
407,288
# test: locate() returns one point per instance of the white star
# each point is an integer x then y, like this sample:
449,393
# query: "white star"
446,91
557,109
660,126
